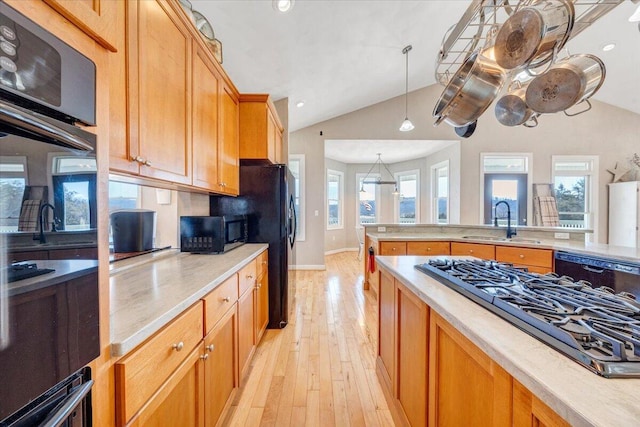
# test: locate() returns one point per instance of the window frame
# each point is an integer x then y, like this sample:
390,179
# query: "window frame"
591,190
361,176
301,219
528,171
434,191
24,176
340,199
396,200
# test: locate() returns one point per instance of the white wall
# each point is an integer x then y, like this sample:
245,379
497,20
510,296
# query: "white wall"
607,131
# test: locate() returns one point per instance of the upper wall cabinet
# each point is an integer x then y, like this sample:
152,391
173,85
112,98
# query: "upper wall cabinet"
228,145
95,17
159,82
260,129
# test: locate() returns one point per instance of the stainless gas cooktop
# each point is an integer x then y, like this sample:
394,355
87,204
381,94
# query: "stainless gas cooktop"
590,324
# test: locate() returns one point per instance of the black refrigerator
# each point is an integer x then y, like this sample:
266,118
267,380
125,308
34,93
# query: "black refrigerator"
267,198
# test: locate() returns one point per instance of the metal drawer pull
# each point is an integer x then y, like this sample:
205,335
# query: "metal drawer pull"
210,348
249,276
204,356
178,347
226,299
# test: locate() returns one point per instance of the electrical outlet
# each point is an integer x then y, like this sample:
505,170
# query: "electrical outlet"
564,236
382,229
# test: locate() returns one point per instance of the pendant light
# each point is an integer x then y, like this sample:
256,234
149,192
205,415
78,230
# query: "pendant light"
378,180
406,124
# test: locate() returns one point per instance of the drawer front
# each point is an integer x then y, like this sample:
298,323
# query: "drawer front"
526,256
393,248
263,264
428,248
142,372
473,249
218,301
247,277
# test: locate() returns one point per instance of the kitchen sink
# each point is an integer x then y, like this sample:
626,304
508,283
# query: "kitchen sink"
523,240
491,238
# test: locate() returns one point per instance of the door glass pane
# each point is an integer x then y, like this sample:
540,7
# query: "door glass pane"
367,205
570,197
505,190
76,205
442,194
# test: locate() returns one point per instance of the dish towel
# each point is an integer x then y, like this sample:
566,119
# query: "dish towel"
28,220
549,211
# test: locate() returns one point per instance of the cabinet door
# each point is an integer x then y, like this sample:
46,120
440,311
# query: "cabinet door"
159,51
262,306
428,248
477,250
205,121
529,411
272,128
412,343
95,17
540,258
393,248
386,335
229,142
180,400
246,333
280,155
221,377
466,387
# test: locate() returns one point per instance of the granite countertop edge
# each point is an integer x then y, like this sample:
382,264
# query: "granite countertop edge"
561,383
123,342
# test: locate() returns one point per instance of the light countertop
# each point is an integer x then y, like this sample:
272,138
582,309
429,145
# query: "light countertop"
575,393
64,270
148,291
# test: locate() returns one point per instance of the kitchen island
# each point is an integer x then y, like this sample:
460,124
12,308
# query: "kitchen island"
523,376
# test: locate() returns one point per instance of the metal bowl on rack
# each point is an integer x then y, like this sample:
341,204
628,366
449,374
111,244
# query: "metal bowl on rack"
470,91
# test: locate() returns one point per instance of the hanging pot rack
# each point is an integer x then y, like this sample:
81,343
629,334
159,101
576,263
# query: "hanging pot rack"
481,16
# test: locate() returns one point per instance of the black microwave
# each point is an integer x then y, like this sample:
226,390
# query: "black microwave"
212,234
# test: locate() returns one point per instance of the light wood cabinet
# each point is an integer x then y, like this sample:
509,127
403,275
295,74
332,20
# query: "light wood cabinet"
159,91
219,301
386,329
393,248
462,376
140,374
530,411
179,401
262,307
428,248
246,333
206,86
96,18
260,129
228,162
412,344
478,250
536,260
221,373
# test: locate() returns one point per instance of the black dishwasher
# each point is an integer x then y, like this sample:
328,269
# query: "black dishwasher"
620,276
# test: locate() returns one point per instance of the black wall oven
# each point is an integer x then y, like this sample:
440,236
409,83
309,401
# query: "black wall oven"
49,323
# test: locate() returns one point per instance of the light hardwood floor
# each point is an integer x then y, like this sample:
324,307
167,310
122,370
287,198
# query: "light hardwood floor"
320,369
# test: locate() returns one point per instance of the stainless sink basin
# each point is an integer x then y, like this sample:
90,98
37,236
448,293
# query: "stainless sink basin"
523,240
491,238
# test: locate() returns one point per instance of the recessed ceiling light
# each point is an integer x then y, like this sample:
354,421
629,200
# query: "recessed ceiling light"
283,6
636,16
300,104
609,46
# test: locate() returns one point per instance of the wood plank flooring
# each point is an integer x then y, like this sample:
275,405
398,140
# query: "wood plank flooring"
320,369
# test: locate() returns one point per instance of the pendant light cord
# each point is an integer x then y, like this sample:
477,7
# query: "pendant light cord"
406,80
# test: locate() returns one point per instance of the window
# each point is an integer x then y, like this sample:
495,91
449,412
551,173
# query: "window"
296,165
408,202
74,192
574,181
367,209
335,196
13,179
440,193
505,177
123,196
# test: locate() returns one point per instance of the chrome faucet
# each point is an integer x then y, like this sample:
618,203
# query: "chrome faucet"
510,231
41,221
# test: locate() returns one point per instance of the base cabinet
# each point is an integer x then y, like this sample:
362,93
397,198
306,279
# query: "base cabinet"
246,338
529,411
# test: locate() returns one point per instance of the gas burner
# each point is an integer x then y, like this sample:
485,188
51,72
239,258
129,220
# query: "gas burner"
594,326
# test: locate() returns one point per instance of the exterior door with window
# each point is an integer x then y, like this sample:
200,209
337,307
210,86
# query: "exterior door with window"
512,188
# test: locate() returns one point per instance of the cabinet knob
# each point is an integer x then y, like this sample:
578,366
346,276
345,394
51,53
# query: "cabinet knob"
470,251
137,159
178,347
258,286
147,163
226,299
204,356
210,347
428,249
393,249
249,276
264,262
521,256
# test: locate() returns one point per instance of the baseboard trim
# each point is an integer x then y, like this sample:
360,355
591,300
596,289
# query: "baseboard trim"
307,267
337,251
